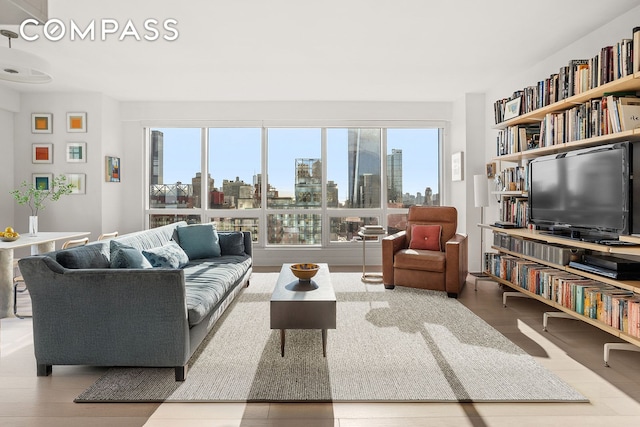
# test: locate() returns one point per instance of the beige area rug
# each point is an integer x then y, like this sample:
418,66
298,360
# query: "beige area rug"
402,345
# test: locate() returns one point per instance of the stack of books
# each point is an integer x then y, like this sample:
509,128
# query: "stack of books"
372,230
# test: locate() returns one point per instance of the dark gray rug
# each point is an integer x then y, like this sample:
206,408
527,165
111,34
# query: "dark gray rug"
401,345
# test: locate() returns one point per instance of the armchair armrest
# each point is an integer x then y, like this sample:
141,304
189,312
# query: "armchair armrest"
456,253
390,245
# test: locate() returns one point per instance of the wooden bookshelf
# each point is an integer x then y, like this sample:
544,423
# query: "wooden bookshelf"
630,285
630,82
569,146
593,322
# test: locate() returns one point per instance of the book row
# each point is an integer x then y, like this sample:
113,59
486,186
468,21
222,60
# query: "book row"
596,117
514,209
608,304
513,178
578,76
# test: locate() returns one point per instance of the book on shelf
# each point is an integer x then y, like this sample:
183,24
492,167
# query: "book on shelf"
578,76
635,43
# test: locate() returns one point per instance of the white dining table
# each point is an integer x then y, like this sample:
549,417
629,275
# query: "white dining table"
44,242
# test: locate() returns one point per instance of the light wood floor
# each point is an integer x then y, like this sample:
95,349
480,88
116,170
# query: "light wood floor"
571,349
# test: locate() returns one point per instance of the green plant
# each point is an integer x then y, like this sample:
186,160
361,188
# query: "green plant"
35,198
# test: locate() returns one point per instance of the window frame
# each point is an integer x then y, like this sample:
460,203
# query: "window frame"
206,214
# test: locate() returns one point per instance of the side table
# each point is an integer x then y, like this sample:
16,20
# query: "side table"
365,234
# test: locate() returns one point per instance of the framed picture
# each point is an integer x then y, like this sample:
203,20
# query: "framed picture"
76,152
42,181
42,153
457,167
78,180
76,122
491,170
41,123
112,169
512,108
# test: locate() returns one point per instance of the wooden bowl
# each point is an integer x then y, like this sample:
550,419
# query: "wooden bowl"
304,271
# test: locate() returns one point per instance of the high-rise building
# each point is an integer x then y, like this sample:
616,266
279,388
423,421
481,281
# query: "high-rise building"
394,176
364,168
157,160
308,183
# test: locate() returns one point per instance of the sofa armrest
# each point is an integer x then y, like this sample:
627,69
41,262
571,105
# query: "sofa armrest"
390,245
107,317
456,253
248,243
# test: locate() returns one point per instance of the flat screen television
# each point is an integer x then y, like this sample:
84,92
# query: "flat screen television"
584,192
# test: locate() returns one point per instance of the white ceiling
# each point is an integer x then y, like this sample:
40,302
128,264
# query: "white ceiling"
334,50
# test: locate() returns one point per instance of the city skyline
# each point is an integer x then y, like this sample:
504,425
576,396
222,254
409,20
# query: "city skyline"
181,156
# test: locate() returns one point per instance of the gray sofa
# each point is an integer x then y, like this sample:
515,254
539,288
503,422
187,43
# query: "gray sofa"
86,312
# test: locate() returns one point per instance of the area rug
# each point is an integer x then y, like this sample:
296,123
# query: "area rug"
403,345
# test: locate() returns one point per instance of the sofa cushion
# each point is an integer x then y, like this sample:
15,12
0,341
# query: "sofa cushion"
169,255
208,281
199,240
426,237
231,243
124,256
95,255
418,259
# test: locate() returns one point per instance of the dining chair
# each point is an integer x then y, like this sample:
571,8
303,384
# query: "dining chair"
105,236
73,243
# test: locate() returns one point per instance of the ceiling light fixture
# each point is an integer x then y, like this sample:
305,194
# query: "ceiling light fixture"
21,67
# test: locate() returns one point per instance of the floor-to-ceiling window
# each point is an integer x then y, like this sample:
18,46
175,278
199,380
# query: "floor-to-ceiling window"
292,186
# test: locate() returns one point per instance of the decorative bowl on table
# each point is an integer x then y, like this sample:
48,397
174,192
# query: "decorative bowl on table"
304,271
11,238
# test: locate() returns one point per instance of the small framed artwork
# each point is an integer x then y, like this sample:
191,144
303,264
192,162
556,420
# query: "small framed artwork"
78,181
42,153
512,108
76,152
491,170
42,181
457,166
76,122
112,169
41,123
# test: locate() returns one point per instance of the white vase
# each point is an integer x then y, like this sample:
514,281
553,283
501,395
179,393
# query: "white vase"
33,225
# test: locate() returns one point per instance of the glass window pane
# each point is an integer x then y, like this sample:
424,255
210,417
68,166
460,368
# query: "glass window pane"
294,229
345,229
234,184
412,167
174,168
238,224
295,169
353,168
396,223
160,220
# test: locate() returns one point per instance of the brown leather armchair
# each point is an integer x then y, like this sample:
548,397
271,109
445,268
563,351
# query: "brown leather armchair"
443,270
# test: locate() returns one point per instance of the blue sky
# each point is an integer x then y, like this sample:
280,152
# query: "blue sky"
236,153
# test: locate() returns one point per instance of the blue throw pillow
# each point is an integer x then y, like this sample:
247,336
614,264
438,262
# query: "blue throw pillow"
169,255
95,255
231,243
199,241
123,256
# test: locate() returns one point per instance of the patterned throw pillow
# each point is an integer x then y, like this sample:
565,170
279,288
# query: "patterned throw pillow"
199,241
169,255
426,237
123,256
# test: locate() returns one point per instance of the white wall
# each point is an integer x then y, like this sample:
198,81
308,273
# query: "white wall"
114,209
467,136
82,212
9,105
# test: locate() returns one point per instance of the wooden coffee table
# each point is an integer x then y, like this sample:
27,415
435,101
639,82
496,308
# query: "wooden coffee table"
303,305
